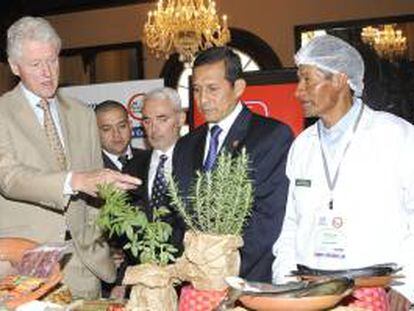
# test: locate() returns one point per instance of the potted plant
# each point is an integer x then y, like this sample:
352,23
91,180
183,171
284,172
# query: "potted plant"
215,212
148,241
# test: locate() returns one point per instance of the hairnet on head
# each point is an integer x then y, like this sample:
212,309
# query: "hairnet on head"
334,55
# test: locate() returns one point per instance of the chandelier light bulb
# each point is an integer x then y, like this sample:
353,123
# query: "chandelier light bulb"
185,27
388,42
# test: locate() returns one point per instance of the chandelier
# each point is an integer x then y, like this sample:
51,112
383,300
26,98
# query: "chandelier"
185,27
388,42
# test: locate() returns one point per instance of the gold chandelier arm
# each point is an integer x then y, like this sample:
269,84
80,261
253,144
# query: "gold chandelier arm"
387,41
184,26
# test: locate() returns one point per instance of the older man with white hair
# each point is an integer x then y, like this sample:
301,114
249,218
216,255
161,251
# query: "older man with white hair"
50,159
162,118
351,194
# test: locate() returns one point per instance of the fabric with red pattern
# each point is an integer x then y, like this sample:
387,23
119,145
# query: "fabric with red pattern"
192,299
369,298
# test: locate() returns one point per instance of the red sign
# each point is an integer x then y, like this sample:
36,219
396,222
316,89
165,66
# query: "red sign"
272,100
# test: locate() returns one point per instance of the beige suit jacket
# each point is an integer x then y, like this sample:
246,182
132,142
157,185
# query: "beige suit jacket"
32,203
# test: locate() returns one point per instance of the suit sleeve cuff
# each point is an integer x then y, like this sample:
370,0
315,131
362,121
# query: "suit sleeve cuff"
67,188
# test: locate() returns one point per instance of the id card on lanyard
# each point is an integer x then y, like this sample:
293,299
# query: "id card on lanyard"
330,238
331,180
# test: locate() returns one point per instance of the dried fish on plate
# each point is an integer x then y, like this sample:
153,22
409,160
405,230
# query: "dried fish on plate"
334,286
247,287
374,270
330,286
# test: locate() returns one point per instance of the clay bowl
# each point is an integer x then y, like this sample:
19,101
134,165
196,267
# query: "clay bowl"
12,249
268,303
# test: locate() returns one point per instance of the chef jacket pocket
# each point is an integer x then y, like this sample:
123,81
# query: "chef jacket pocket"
306,198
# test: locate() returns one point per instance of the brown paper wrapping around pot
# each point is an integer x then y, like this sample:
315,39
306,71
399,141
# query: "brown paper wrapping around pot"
153,288
208,259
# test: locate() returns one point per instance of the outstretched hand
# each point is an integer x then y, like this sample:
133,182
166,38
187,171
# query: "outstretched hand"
87,182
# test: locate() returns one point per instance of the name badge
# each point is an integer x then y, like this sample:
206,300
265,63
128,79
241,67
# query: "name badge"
303,183
330,238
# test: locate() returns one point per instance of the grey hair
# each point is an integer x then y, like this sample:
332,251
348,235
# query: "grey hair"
165,93
30,28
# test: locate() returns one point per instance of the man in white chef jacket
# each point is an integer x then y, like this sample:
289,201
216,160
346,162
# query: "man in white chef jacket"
351,195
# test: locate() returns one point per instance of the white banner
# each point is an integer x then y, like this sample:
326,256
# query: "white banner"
129,93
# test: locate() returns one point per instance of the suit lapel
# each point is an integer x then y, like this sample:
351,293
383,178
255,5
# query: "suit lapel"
108,163
138,166
26,116
233,141
198,155
63,111
238,131
145,173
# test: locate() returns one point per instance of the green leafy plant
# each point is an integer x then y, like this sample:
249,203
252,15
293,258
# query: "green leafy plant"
220,200
147,240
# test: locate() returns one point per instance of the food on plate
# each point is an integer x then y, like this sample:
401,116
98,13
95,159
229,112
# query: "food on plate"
6,268
16,286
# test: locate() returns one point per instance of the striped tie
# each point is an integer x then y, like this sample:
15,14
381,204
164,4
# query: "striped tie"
52,135
213,148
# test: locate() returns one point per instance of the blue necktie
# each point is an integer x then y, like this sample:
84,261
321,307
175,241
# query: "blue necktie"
212,150
159,186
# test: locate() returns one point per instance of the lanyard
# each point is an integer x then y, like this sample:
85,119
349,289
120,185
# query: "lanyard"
332,182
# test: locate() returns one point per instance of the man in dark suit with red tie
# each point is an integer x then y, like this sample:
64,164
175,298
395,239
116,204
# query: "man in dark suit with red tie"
218,86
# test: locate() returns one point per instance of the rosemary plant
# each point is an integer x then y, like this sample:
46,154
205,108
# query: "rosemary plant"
147,240
220,200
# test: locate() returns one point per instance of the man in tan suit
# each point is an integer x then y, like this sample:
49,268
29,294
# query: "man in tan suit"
50,159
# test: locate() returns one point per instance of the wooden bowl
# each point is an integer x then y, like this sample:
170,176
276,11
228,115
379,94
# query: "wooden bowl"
268,303
12,249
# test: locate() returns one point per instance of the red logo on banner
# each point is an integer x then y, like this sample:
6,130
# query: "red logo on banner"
135,106
258,107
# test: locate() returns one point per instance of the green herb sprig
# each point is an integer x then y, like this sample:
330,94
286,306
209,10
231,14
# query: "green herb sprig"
147,240
220,200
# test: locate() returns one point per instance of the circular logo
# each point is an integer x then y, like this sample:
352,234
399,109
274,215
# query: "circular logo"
135,106
337,222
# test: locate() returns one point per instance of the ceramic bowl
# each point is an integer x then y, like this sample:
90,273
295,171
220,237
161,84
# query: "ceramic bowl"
269,303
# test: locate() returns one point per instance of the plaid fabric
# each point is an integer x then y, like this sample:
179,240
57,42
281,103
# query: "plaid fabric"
369,298
192,299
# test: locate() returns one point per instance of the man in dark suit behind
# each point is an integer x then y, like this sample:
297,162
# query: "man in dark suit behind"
115,136
218,86
162,118
118,154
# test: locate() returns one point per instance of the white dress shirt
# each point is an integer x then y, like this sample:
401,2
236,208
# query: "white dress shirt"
335,139
225,126
34,102
115,158
155,158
